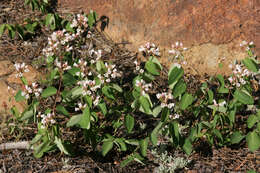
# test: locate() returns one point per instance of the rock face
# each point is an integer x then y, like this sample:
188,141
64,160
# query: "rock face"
219,22
9,85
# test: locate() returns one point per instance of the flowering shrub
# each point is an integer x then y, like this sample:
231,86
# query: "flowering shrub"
83,91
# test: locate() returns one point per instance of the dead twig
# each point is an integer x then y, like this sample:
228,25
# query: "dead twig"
16,145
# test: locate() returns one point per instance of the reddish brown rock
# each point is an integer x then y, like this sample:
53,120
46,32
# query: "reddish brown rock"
166,21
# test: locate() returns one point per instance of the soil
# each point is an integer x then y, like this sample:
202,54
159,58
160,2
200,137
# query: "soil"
204,159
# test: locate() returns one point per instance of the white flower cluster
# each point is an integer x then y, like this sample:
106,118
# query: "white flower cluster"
138,69
248,45
111,73
143,85
150,49
21,68
164,98
31,89
82,65
62,65
80,106
177,50
239,73
79,20
47,119
223,103
59,40
175,116
95,54
90,88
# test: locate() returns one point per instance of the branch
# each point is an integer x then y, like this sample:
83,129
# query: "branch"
16,145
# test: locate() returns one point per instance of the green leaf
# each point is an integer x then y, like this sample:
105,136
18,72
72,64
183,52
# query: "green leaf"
68,79
106,147
132,142
252,119
50,21
121,143
179,89
217,134
222,88
2,29
174,132
236,137
250,64
243,97
186,101
231,116
36,139
19,30
60,145
11,31
27,114
187,146
74,120
129,122
102,107
106,90
157,110
175,73
92,17
85,119
143,146
88,100
253,141
50,91
18,97
152,68
156,61
210,96
145,104
100,66
128,160
165,114
251,171
117,87
15,112
154,133
62,109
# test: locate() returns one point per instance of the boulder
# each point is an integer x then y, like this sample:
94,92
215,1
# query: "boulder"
200,25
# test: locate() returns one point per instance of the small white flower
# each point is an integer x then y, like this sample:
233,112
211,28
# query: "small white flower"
251,43
222,103
176,116
171,105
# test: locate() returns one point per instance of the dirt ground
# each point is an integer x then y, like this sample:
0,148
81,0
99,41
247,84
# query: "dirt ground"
205,159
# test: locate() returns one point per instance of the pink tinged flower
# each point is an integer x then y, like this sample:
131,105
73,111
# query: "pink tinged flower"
158,95
237,84
176,116
163,105
243,43
214,102
230,79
